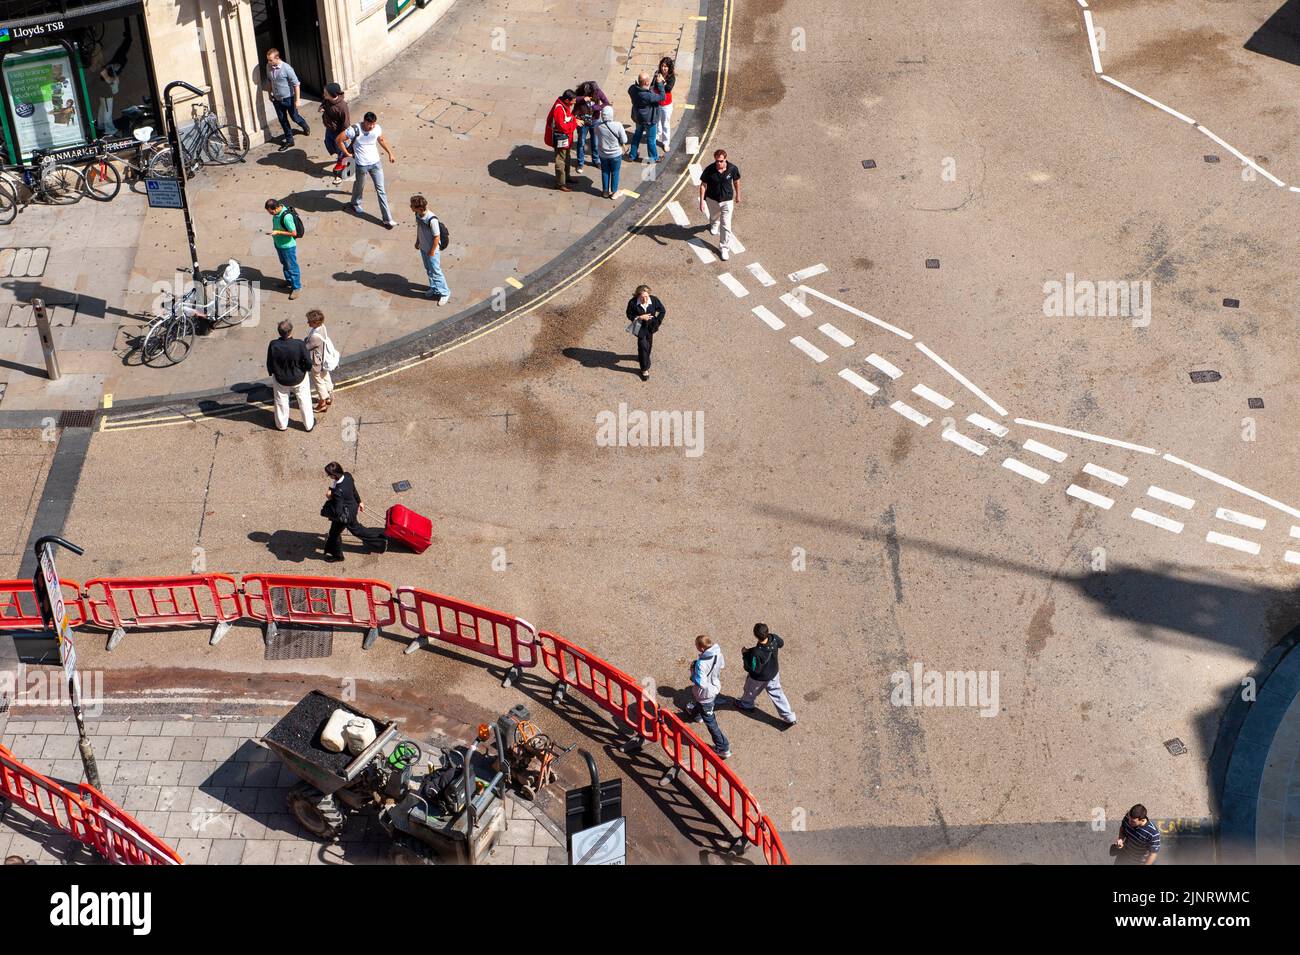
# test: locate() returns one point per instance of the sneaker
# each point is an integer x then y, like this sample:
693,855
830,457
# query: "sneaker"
390,224
444,299
726,755
726,253
791,721
336,180
284,146
357,209
294,294
714,227
306,130
333,558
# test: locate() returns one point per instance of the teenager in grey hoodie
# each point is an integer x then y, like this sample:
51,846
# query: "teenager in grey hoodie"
706,683
610,137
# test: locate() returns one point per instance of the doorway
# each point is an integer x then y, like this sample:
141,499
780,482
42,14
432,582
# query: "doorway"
293,28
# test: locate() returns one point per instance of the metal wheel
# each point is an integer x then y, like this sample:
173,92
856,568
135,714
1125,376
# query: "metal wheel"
231,308
227,144
102,178
318,813
161,165
152,346
63,184
179,339
8,202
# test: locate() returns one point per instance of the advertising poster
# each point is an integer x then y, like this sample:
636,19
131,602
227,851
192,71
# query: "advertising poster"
41,85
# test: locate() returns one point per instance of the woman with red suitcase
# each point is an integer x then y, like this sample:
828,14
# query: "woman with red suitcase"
342,505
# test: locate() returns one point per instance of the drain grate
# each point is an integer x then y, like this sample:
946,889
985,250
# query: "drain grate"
77,419
294,641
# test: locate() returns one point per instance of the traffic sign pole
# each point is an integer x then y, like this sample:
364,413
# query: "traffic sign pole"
174,137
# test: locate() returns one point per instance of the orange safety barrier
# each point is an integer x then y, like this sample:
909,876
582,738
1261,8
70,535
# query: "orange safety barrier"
468,626
327,601
604,683
88,815
771,845
163,602
18,610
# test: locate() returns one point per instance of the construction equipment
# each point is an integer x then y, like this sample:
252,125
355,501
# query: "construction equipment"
452,812
525,744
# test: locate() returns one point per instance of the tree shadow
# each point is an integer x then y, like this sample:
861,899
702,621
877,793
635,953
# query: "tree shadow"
1279,36
595,358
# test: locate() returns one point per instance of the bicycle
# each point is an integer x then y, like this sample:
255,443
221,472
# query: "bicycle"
172,334
204,142
49,180
8,202
101,173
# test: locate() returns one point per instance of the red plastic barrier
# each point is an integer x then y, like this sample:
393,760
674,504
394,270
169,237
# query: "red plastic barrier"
604,683
468,626
325,601
18,609
163,603
713,775
771,845
88,816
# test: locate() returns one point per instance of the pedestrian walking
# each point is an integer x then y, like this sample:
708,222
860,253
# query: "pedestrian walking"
665,80
335,117
285,229
609,138
645,111
1138,842
706,683
645,313
428,239
324,359
363,142
588,107
282,83
720,188
763,671
561,127
288,363
343,506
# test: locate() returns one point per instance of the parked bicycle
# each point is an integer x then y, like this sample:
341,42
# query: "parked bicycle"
104,173
204,142
171,334
8,201
46,180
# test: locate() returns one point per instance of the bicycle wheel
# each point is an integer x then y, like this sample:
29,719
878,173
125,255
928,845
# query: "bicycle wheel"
161,165
179,340
8,202
63,185
232,308
154,339
227,144
102,179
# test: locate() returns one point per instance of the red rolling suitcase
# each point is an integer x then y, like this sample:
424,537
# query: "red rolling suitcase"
407,527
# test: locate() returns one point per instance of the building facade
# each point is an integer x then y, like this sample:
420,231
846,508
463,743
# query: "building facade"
74,71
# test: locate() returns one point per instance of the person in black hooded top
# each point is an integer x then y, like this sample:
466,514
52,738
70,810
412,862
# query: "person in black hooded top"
763,670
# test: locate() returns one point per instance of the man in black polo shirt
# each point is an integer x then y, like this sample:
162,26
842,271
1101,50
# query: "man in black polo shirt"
1138,842
720,187
287,362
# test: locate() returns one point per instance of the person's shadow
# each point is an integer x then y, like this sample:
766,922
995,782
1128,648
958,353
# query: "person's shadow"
293,546
531,166
594,358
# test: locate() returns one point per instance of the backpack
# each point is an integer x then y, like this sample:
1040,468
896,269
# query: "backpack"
444,234
330,358
299,227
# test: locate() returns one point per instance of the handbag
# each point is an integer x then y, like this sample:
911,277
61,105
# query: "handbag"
634,326
560,138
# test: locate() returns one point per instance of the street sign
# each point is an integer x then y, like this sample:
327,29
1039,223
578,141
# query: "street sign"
54,590
605,844
163,193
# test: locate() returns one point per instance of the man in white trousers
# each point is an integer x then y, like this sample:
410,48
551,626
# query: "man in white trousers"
720,188
288,363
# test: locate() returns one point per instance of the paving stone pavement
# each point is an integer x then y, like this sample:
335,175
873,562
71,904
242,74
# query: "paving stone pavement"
491,180
208,790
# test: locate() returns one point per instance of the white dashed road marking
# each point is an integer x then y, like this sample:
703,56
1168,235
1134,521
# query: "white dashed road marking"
692,145
702,251
1295,531
911,414
965,382
796,306
809,349
857,381
772,321
889,368
959,439
1236,517
808,273
1024,470
1236,543
992,427
1092,497
678,213
696,171
733,284
1157,520
760,273
856,311
835,335
932,396
1114,477
1169,497
1292,557
1045,451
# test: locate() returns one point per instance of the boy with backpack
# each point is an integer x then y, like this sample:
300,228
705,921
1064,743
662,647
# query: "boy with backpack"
431,238
763,670
286,230
706,683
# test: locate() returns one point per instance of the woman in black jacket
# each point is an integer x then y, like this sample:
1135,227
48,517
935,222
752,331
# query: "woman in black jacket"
342,505
646,313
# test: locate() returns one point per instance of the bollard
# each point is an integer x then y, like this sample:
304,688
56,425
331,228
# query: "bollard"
47,340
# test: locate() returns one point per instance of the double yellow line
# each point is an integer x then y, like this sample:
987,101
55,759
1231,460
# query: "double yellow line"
720,91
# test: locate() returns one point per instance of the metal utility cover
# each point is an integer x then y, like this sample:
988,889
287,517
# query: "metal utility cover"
1231,303
295,641
401,486
931,263
1211,158
1175,746
1205,377
868,164
1254,403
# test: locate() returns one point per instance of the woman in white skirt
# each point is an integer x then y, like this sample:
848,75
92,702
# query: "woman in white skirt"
324,359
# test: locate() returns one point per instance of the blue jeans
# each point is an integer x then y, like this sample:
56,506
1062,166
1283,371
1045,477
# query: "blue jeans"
586,145
720,742
376,173
651,147
289,262
437,283
609,170
331,143
285,110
